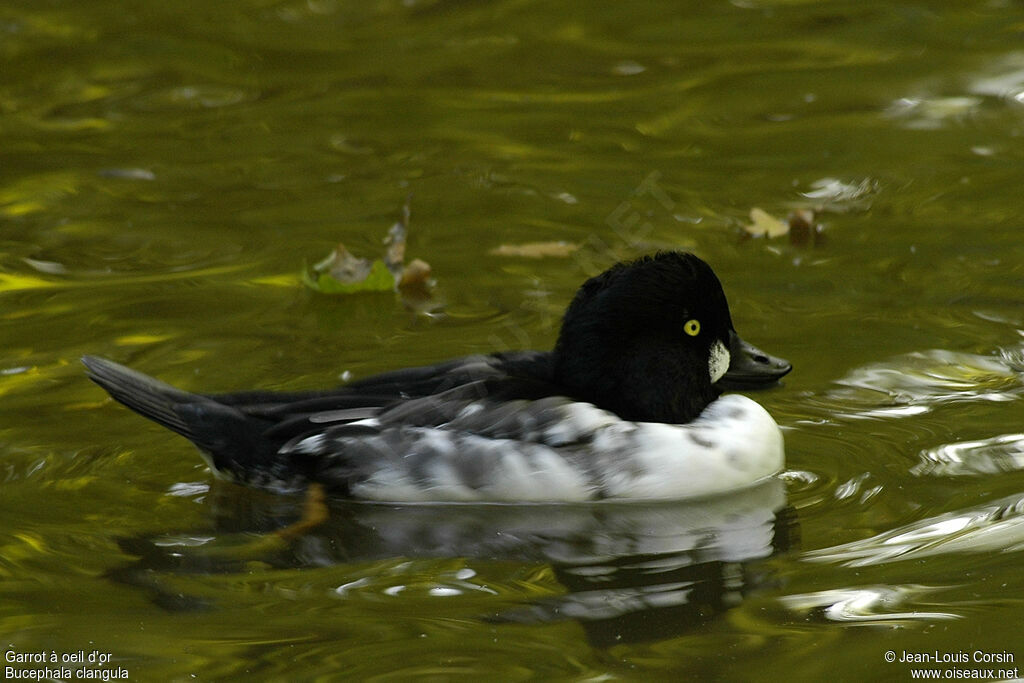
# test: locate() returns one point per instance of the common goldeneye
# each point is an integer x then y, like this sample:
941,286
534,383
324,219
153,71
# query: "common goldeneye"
626,406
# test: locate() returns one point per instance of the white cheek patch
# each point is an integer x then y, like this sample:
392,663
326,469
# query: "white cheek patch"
718,361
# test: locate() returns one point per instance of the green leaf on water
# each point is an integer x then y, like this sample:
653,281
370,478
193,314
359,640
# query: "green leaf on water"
342,273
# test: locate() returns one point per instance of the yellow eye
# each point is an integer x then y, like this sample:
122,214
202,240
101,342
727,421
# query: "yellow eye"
692,327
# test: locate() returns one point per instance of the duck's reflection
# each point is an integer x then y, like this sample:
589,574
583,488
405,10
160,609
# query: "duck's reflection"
631,572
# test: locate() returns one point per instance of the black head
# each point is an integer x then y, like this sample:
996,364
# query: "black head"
647,340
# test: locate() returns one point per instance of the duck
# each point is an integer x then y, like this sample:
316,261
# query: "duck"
630,404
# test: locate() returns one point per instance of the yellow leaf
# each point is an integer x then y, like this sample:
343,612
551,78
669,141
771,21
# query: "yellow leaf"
763,223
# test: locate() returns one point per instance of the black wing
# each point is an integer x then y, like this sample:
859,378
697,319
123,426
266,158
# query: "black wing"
243,433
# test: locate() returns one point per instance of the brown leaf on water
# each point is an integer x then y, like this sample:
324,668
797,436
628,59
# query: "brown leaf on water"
416,274
802,228
415,287
536,250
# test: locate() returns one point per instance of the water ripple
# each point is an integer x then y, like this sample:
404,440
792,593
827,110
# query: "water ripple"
1004,453
866,605
994,527
1003,79
918,382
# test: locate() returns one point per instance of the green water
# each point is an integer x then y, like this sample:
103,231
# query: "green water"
166,169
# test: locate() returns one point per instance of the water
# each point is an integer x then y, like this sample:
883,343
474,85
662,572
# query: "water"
166,172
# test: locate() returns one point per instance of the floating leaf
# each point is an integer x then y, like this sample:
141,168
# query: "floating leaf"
536,249
764,224
416,274
343,273
343,266
802,228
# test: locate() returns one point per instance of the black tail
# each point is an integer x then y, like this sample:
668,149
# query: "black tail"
234,442
145,395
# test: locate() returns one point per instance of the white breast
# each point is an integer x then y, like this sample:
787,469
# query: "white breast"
733,444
